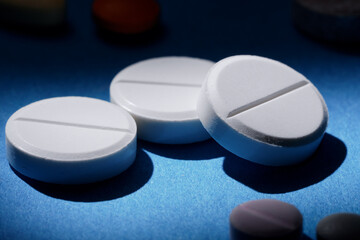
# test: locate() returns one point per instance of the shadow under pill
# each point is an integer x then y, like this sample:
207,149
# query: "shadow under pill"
138,174
325,161
204,150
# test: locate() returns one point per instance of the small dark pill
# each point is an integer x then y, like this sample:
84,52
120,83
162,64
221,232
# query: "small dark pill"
340,226
265,219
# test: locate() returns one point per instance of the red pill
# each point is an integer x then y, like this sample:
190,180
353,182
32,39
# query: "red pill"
126,16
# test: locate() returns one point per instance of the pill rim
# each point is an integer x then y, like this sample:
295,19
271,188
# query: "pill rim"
261,138
244,205
13,138
151,115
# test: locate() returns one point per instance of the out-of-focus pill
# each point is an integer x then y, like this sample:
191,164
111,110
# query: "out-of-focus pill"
331,20
339,226
33,13
126,16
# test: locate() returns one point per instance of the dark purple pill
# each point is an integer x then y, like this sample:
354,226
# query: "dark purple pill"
265,219
340,226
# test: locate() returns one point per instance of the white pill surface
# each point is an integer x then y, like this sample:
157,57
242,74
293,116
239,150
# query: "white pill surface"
71,140
161,94
262,110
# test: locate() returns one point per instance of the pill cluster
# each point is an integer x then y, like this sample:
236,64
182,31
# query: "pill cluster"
257,108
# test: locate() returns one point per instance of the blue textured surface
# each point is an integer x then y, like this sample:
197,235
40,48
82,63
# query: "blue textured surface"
186,191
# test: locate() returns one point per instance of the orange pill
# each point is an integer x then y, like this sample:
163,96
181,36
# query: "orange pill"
126,16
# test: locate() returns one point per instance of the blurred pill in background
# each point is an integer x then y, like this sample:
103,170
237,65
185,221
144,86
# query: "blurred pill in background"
330,20
126,16
339,226
33,13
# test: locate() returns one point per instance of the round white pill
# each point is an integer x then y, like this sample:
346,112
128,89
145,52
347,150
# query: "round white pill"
161,94
71,140
262,110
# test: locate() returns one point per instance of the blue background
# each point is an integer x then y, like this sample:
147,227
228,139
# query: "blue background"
183,191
